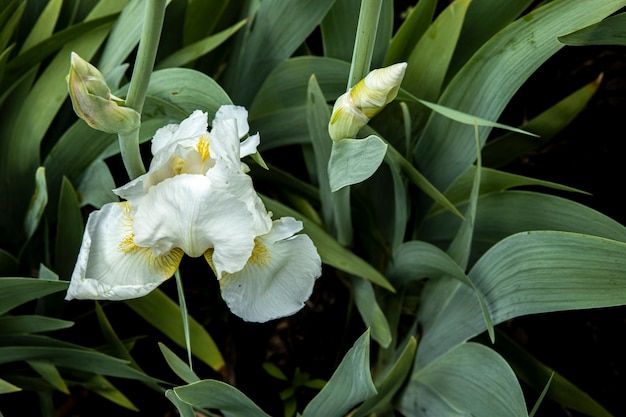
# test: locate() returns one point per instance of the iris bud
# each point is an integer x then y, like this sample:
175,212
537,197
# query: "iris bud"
367,98
93,102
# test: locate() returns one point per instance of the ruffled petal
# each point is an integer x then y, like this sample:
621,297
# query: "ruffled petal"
111,266
225,143
192,127
278,277
238,113
187,212
248,146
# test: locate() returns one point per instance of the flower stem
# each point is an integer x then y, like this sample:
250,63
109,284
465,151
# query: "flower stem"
144,64
367,27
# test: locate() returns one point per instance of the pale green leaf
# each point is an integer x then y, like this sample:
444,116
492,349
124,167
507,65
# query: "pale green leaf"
610,31
486,83
505,213
331,252
96,185
471,379
354,160
44,26
17,291
430,58
201,18
31,324
124,37
164,314
280,28
527,273
38,203
274,371
484,18
177,365
410,32
184,409
392,381
350,384
10,19
219,395
371,313
200,48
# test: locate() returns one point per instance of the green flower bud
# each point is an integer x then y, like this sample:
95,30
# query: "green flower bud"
366,99
93,102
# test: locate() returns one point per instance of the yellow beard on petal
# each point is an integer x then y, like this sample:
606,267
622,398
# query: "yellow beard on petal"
260,255
167,263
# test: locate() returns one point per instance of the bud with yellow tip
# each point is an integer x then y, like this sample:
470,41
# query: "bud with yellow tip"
93,102
366,99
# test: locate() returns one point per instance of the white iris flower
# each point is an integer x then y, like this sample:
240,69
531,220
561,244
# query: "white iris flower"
197,199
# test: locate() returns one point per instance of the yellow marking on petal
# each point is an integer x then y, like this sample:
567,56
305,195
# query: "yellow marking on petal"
203,147
177,165
208,255
260,254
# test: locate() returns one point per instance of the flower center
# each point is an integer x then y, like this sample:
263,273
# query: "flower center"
203,147
260,254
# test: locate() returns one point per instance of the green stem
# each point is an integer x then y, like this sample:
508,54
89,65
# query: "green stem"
365,38
184,315
144,64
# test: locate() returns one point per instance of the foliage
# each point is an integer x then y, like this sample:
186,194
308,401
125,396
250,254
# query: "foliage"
414,216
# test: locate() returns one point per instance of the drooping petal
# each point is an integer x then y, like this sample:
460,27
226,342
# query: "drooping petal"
111,266
187,212
225,143
248,146
240,185
191,128
278,277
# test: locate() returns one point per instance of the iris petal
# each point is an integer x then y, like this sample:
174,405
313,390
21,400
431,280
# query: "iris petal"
278,277
111,266
188,212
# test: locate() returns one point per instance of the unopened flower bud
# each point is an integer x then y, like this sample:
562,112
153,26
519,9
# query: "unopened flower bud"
366,99
93,102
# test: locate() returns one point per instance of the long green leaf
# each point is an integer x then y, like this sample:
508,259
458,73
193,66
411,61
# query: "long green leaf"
410,32
607,32
17,291
103,387
429,60
31,324
470,379
50,374
38,203
350,385
6,387
280,27
393,380
197,49
506,213
164,314
371,313
221,396
527,273
177,365
489,79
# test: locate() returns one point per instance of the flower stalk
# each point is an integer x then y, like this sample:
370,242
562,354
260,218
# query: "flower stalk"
144,64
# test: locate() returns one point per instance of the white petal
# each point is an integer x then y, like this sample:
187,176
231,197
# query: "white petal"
187,212
225,143
278,278
248,146
240,185
192,127
110,265
238,113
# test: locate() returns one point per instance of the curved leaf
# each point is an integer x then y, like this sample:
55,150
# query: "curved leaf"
527,273
17,291
607,32
471,379
350,384
221,396
31,324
